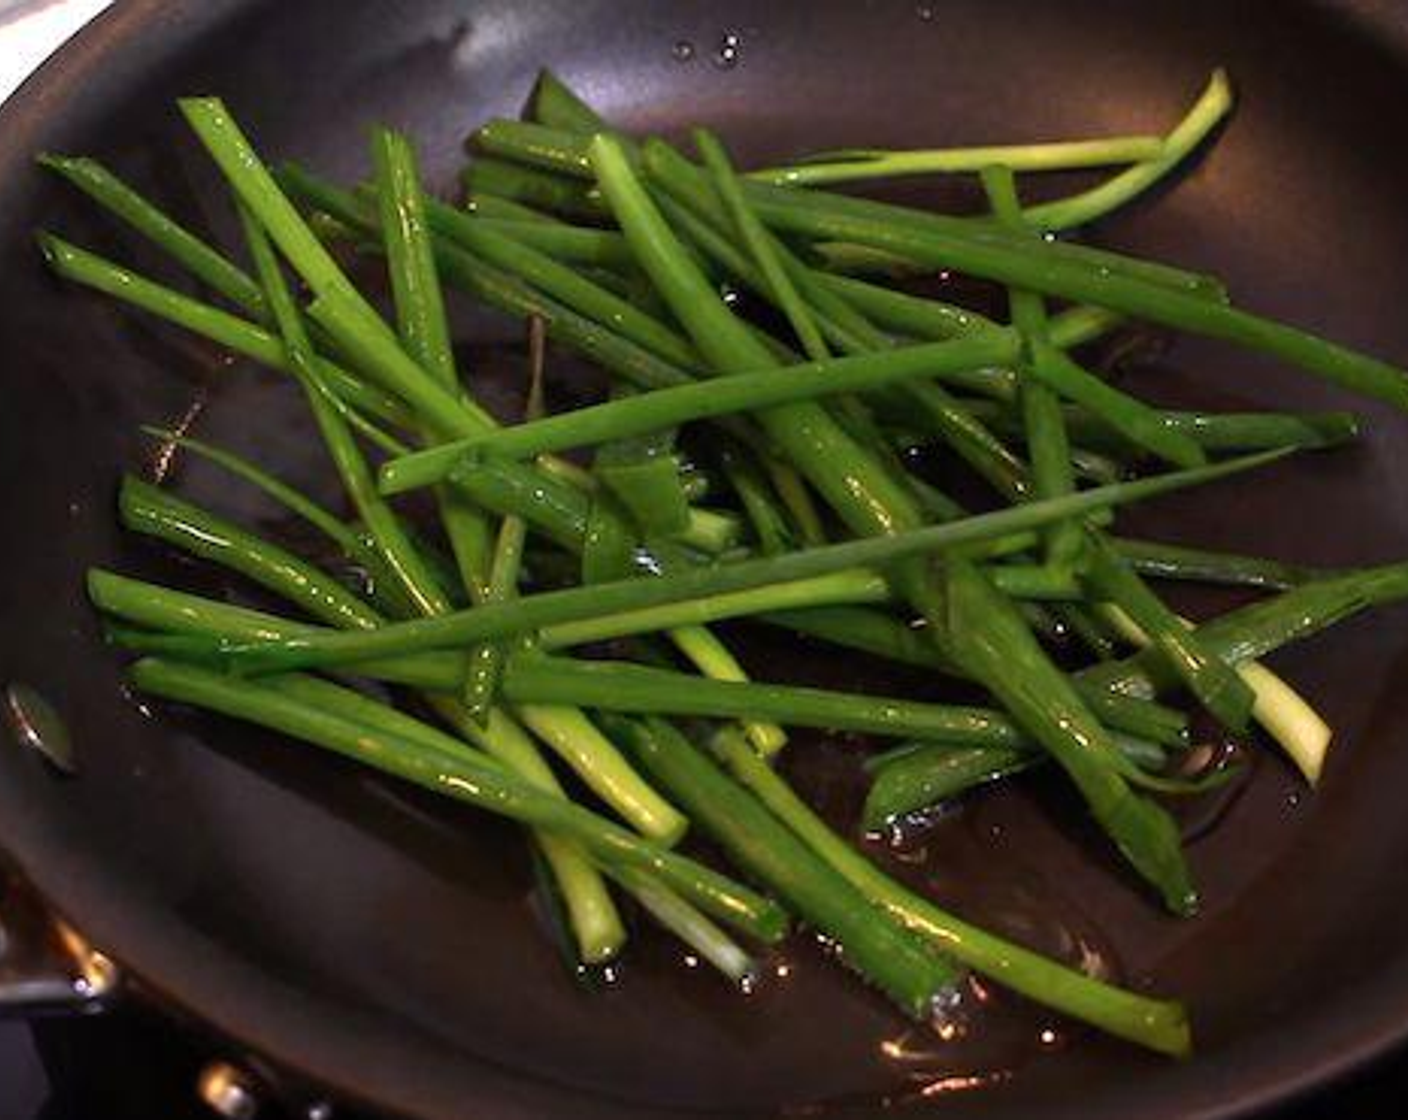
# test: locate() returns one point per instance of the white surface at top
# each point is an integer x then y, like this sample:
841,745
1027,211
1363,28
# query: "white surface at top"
31,30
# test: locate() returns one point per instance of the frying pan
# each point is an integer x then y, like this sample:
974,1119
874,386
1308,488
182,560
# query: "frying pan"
384,946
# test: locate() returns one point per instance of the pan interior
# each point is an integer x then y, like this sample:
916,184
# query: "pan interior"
389,944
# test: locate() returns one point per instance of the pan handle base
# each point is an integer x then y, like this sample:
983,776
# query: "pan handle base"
46,966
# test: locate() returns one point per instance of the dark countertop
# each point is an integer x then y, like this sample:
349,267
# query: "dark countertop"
23,1085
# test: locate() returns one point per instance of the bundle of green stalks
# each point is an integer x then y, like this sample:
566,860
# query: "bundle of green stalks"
748,463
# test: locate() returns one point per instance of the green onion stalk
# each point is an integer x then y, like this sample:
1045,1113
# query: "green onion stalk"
1159,1024
464,777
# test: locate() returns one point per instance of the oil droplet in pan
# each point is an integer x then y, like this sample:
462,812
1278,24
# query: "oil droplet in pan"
1200,814
971,1041
979,1033
727,56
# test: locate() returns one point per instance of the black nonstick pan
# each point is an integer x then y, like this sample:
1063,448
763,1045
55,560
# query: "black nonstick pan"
386,949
